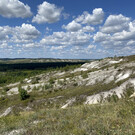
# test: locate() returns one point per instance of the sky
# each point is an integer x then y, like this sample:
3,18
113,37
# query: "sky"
67,29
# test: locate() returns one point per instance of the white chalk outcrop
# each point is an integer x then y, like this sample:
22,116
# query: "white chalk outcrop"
7,112
118,91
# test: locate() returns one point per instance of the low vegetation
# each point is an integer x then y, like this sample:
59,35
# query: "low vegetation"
110,118
23,94
37,108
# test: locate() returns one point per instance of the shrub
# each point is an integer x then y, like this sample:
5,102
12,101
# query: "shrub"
28,88
129,90
48,86
23,94
115,66
84,75
75,84
6,89
51,81
3,101
113,98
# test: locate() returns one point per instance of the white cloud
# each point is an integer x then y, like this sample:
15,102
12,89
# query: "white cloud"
72,26
47,13
88,29
4,31
106,40
116,36
115,23
66,15
119,42
75,26
3,45
92,19
127,50
100,37
48,29
66,38
19,34
91,47
31,45
131,42
26,32
14,8
126,35
57,48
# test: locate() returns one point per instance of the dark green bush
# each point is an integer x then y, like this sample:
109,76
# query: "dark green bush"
75,84
6,89
23,94
51,81
48,86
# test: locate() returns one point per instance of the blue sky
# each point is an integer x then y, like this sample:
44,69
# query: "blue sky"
83,29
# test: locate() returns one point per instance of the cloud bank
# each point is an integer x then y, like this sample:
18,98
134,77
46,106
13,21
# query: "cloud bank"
14,9
86,35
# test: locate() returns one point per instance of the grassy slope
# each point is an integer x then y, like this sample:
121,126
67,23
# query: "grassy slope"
73,91
112,118
108,119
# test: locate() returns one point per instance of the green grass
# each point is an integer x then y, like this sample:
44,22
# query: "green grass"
107,119
17,76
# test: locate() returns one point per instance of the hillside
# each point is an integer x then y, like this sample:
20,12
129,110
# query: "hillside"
94,98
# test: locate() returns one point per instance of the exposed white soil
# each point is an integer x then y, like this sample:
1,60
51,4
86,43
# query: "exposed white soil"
100,64
69,102
123,76
13,84
27,108
119,91
104,76
133,95
94,64
126,65
14,90
79,69
113,61
60,73
7,111
29,81
101,76
37,121
15,132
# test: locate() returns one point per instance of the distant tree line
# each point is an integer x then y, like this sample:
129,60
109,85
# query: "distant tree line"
33,66
11,73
